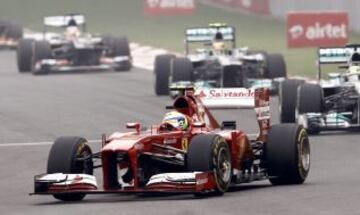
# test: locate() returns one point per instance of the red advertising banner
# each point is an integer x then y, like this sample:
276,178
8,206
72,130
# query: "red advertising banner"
169,7
253,6
315,29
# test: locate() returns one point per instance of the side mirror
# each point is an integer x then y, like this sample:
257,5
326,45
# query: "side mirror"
199,124
134,125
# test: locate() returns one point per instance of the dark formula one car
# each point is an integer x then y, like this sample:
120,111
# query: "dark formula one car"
332,104
217,65
10,33
73,50
189,152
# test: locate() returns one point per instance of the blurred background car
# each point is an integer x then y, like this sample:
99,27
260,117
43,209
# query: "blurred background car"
72,50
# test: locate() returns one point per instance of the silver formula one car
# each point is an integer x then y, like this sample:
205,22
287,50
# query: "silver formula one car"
73,50
218,62
332,104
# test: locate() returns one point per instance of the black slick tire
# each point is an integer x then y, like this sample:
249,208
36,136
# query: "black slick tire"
210,152
287,154
62,159
162,67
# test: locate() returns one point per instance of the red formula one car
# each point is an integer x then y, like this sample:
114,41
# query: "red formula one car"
189,152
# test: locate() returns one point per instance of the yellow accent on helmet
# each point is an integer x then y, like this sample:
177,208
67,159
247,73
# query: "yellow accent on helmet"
176,119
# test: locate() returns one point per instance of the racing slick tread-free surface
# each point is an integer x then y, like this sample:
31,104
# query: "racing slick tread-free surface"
162,73
122,48
202,155
24,55
181,69
287,99
62,159
284,165
310,98
276,67
42,50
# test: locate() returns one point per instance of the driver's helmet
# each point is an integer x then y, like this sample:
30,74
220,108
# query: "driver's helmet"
218,44
354,59
176,120
72,31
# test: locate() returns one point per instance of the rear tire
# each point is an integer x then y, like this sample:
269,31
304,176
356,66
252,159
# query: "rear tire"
24,55
210,152
42,50
287,154
276,67
181,69
287,100
62,159
162,73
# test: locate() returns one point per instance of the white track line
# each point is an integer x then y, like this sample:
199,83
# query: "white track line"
45,143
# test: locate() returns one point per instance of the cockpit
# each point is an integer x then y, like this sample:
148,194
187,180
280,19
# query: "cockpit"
353,74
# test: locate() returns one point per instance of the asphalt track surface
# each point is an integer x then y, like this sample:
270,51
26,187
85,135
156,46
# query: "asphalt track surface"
35,110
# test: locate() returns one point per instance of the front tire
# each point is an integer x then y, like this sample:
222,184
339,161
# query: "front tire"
210,152
181,69
287,99
63,159
122,48
310,100
162,69
42,50
276,67
287,154
24,55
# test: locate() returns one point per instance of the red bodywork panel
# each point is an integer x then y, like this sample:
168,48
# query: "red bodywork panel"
136,143
164,143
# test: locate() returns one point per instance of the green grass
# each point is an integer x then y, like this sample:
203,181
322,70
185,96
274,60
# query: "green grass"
126,17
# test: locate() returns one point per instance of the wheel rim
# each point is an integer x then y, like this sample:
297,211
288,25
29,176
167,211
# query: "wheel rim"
304,156
84,165
224,165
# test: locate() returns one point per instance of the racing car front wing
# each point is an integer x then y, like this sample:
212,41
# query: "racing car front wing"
327,122
63,65
192,182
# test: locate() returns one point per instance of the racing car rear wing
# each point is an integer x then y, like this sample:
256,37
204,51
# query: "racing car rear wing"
63,21
335,55
229,98
207,34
